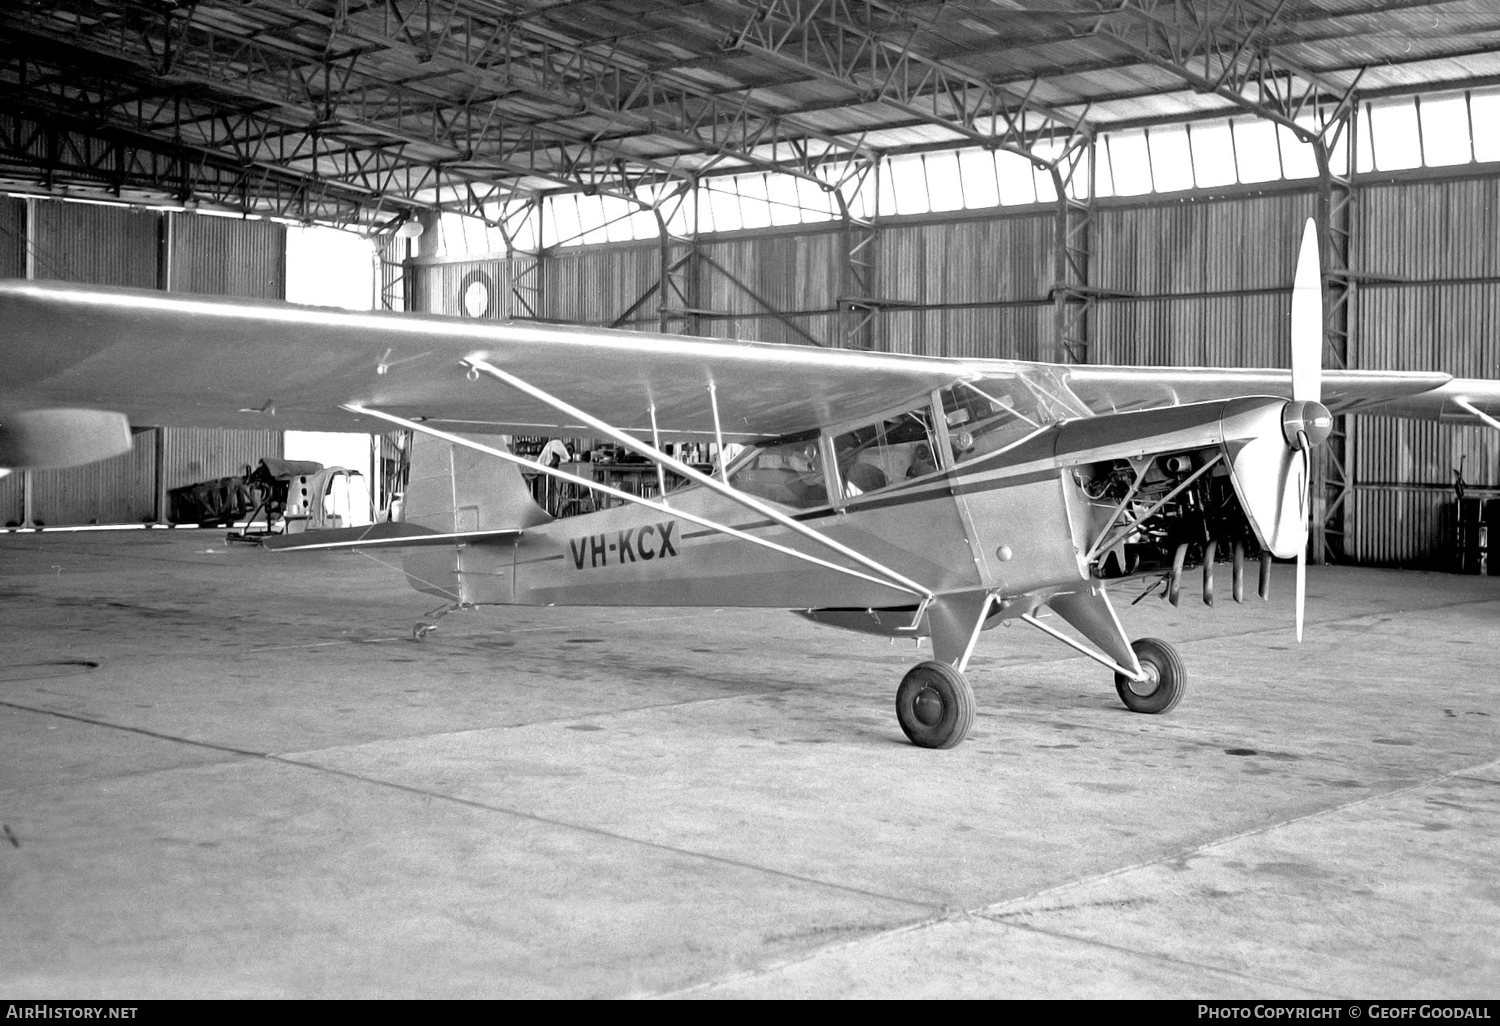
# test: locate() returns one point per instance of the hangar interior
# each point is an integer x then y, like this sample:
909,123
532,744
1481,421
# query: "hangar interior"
1075,181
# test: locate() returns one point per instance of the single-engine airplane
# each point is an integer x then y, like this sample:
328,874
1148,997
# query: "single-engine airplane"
896,495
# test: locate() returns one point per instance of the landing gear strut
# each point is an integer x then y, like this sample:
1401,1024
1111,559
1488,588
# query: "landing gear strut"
935,705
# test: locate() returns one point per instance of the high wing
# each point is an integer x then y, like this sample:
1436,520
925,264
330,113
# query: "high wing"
169,360
1421,394
1461,401
1118,389
166,360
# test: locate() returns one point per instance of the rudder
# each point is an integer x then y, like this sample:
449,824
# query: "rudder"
453,489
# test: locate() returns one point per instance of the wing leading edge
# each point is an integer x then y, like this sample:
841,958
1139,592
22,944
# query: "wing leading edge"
166,360
169,360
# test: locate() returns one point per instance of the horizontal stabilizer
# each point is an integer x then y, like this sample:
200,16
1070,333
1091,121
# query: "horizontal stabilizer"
378,536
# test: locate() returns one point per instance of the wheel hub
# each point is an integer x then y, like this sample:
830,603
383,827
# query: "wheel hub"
1147,687
927,707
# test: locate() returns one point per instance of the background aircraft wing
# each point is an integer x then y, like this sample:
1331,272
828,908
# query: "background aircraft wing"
171,360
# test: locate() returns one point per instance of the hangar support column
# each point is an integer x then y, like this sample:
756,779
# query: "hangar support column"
859,314
1333,474
1072,294
678,303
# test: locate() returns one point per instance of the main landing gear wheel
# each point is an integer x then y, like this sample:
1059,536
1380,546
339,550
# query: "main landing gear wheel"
935,705
1165,683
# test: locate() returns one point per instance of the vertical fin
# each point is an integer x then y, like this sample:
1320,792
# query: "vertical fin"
451,488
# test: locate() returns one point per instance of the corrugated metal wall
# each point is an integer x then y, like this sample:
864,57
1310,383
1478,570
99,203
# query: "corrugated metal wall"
439,288
117,491
12,237
1430,300
97,245
105,245
1199,280
223,257
597,285
12,265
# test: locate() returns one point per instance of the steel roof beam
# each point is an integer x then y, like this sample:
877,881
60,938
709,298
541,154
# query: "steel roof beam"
1227,49
80,157
835,40
318,110
553,69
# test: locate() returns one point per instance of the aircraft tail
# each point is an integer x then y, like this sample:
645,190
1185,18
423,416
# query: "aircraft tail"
454,490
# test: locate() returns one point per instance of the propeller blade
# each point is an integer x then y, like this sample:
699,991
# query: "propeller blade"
1303,447
1307,320
1301,591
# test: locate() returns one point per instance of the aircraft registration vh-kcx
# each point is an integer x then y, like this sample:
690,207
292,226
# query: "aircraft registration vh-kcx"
895,495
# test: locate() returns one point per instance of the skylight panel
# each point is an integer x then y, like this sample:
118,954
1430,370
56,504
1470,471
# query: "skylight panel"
1256,155
591,220
724,202
1104,178
1364,160
1017,183
814,203
977,170
1395,134
564,219
1484,122
887,202
1130,158
1445,131
617,226
755,204
1297,157
945,190
1171,158
909,183
781,193
1213,154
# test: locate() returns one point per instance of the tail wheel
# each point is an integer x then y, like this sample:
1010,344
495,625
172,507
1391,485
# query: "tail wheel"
935,705
1165,683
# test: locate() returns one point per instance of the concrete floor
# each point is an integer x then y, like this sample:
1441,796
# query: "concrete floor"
232,773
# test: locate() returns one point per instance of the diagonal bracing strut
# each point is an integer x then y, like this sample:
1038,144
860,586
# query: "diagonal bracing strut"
561,475
891,577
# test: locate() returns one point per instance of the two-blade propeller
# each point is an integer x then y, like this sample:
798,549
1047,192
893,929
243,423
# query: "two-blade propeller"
1305,421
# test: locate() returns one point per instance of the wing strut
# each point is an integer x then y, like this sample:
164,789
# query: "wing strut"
561,475
1476,411
891,577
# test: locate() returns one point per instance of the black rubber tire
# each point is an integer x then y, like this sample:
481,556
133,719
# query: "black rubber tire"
1168,681
935,705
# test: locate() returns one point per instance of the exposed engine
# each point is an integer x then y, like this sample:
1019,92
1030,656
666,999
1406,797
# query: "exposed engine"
1164,514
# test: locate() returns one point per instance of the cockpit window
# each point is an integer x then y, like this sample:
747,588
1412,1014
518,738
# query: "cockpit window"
886,453
790,473
986,416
